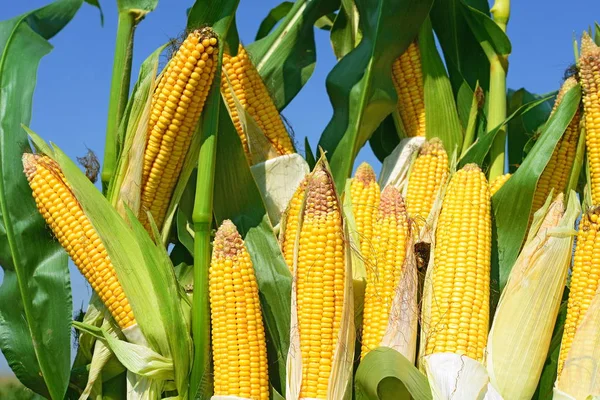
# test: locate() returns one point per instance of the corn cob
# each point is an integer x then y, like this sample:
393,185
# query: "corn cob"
498,182
75,233
292,218
585,279
175,110
251,92
556,174
428,174
364,192
408,80
238,335
589,73
320,277
389,248
461,272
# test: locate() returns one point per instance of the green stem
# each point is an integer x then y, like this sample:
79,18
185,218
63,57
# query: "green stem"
202,220
497,103
119,91
497,114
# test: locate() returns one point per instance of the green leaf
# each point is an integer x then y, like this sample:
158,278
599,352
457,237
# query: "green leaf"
309,155
247,211
275,15
35,296
490,36
96,3
523,127
360,85
385,374
466,61
479,150
512,205
442,117
285,59
140,7
345,34
385,139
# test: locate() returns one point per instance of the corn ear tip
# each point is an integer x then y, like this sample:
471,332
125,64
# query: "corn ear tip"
588,46
434,145
365,173
471,167
391,201
29,163
228,241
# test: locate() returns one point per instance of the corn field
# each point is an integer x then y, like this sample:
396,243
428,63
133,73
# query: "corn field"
230,260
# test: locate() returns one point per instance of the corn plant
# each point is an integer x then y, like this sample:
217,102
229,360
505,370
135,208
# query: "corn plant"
226,263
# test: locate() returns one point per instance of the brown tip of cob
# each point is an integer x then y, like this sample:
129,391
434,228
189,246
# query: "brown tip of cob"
30,164
320,195
471,167
228,242
365,174
588,46
391,202
433,146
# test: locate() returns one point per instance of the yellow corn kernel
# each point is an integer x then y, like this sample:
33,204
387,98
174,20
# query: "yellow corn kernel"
556,174
75,233
585,279
589,73
428,174
383,278
498,182
292,218
365,194
175,111
240,74
238,336
320,277
461,271
408,79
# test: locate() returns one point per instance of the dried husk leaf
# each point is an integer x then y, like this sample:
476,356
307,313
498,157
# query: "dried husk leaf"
396,166
455,376
521,332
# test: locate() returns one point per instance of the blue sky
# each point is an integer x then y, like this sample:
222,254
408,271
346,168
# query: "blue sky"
71,98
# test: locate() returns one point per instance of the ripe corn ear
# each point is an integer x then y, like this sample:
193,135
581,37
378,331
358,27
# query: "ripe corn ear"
365,195
251,92
75,233
383,277
460,280
408,80
585,279
320,282
428,174
238,336
589,73
176,106
498,182
556,174
290,227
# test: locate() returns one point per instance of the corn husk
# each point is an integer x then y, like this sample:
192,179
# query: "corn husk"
401,332
340,380
453,376
580,376
521,332
277,180
396,166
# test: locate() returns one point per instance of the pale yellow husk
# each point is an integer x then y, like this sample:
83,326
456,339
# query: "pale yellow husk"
396,166
521,332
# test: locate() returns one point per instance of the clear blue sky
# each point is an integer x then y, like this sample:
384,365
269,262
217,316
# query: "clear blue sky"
71,98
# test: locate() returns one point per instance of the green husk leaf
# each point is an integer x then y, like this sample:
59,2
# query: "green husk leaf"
35,296
285,58
442,117
479,150
385,374
512,205
360,85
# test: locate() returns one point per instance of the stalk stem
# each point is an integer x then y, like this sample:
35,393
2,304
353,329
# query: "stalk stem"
497,115
119,91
